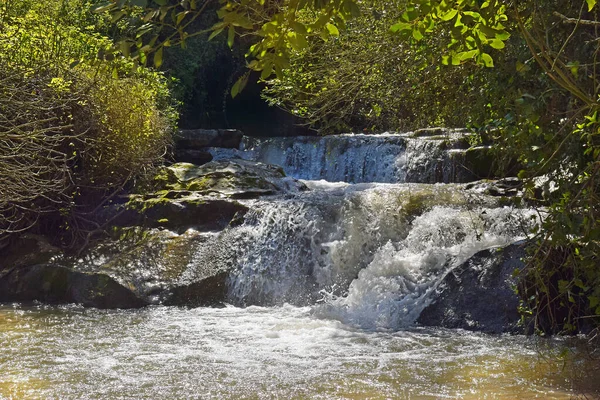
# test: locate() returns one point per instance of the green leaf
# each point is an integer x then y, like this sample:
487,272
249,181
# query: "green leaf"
158,57
488,61
298,27
104,8
215,33
332,29
139,3
125,48
239,85
465,55
497,44
591,4
267,71
180,17
230,37
161,2
417,34
117,16
400,26
449,15
298,42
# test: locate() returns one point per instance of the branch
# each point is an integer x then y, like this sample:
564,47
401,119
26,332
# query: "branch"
567,20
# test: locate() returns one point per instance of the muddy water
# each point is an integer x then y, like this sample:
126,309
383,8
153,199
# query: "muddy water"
269,353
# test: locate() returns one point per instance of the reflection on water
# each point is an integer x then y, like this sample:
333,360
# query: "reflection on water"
256,353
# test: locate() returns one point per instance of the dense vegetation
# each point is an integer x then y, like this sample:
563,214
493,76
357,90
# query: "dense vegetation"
74,129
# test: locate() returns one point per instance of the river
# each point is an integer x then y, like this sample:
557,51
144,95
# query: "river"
282,352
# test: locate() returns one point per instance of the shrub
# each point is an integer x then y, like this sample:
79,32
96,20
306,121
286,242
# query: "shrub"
74,128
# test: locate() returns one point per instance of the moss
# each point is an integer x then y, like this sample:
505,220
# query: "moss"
200,185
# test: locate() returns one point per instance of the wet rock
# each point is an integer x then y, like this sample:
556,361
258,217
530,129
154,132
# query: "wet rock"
471,164
202,138
505,187
55,284
163,267
209,291
478,295
134,268
425,132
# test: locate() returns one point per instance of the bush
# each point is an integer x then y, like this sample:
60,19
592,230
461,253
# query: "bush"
74,128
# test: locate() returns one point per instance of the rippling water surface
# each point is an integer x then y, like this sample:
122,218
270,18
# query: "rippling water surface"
262,353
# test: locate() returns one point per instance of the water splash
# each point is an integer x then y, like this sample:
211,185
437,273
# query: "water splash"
394,288
376,251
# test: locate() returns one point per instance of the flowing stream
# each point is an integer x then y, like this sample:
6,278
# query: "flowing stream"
326,287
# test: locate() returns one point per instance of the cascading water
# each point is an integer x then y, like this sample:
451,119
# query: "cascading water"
358,158
370,254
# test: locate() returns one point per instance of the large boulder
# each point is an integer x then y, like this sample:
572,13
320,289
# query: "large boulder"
163,267
198,157
202,197
478,295
134,268
179,211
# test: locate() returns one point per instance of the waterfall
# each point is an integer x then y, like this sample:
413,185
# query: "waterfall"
371,239
368,255
359,158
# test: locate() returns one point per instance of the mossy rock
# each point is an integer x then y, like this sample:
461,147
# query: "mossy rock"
231,178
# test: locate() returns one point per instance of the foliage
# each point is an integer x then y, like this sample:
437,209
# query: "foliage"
373,80
274,24
73,129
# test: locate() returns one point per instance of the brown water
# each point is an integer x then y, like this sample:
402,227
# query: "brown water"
270,353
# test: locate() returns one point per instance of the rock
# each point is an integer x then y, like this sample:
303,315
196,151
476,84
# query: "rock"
179,211
424,132
163,267
135,268
201,138
471,164
198,157
478,295
56,284
239,179
27,249
201,197
210,291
